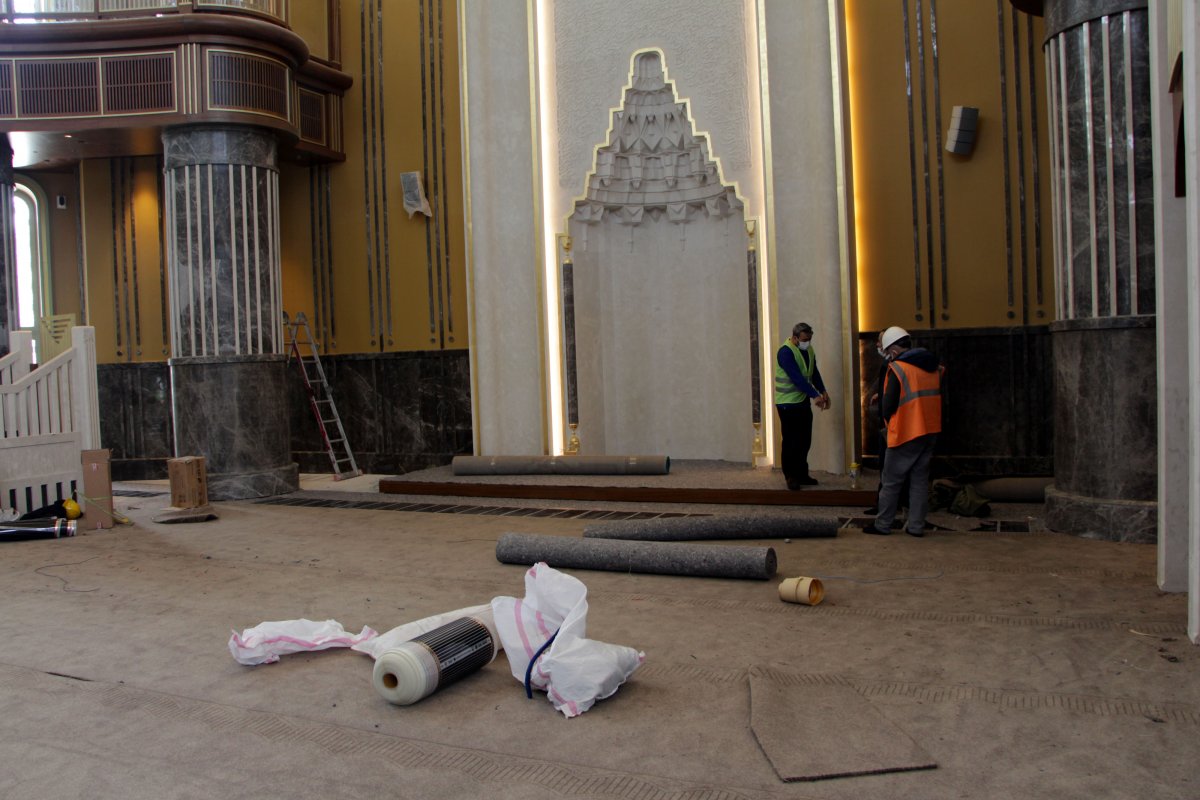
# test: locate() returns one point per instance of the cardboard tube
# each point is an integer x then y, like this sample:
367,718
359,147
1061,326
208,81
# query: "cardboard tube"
806,591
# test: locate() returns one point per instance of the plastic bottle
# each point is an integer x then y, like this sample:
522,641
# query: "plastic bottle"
855,471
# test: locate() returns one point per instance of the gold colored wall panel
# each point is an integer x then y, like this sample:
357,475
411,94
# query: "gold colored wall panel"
946,240
398,283
123,252
310,20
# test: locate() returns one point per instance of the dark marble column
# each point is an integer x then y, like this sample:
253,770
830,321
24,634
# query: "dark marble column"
227,373
8,255
1098,81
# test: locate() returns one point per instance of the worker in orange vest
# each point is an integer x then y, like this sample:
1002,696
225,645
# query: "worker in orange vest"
911,405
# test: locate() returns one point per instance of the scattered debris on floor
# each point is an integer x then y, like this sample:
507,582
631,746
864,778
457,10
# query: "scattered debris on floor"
815,730
542,636
172,515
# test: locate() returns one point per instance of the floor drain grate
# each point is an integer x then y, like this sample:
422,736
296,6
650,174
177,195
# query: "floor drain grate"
444,508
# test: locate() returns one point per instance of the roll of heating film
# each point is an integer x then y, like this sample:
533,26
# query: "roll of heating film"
434,660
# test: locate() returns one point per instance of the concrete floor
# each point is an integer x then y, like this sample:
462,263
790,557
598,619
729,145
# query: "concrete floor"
1028,665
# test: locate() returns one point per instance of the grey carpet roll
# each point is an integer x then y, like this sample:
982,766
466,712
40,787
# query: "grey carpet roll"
660,558
680,529
561,465
1014,490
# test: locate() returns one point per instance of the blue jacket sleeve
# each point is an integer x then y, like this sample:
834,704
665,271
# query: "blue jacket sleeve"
788,362
817,380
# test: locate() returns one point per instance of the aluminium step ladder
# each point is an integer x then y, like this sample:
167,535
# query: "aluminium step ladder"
319,397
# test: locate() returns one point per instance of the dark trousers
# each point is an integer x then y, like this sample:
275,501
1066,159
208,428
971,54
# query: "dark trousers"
883,451
795,425
909,460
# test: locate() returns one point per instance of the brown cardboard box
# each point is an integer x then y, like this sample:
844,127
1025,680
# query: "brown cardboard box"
96,498
189,482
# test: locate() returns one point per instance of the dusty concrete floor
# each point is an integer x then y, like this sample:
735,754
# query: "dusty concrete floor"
1028,665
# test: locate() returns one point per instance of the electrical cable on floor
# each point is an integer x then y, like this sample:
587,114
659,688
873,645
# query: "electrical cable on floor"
880,580
93,502
66,583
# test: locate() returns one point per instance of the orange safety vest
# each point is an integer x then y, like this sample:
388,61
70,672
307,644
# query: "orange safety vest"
920,409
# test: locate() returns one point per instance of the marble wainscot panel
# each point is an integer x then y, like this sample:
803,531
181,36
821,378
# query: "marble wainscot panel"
233,410
1105,418
998,390
135,418
401,411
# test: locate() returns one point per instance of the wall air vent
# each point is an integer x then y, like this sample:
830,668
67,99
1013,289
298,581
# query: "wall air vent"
242,82
58,87
139,84
312,117
7,105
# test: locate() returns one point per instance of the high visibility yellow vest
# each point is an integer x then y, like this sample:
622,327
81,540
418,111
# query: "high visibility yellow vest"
786,392
920,409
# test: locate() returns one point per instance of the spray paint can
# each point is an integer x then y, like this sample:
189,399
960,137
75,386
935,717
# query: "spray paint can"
434,660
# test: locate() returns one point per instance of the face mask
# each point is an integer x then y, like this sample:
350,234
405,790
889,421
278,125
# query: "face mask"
881,353
803,345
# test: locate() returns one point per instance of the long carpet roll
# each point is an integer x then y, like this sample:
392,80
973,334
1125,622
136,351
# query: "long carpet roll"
680,529
659,558
561,465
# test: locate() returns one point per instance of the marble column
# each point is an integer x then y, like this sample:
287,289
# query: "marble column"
9,320
228,378
1105,436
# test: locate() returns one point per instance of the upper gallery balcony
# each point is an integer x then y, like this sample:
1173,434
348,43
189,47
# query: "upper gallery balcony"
83,10
93,78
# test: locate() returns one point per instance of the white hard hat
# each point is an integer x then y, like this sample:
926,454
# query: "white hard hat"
891,336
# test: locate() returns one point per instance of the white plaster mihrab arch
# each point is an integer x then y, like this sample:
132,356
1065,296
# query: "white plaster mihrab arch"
661,296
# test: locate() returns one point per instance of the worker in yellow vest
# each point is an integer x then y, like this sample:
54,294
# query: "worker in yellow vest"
911,405
798,386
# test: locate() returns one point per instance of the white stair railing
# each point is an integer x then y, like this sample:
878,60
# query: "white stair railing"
48,416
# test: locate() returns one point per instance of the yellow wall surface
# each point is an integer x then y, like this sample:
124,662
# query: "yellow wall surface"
957,243
391,282
122,253
309,19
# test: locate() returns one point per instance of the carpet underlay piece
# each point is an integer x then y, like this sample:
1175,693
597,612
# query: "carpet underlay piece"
811,732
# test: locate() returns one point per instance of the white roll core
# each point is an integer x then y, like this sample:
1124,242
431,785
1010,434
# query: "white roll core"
405,674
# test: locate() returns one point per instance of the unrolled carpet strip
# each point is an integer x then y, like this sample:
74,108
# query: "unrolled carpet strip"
659,558
810,732
679,529
561,465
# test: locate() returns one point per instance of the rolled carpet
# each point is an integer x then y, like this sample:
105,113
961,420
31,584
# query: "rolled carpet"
561,465
680,529
659,558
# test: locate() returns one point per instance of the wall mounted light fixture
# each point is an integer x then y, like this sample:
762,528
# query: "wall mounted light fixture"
960,139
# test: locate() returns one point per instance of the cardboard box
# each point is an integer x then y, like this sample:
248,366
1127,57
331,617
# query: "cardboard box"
95,500
189,481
